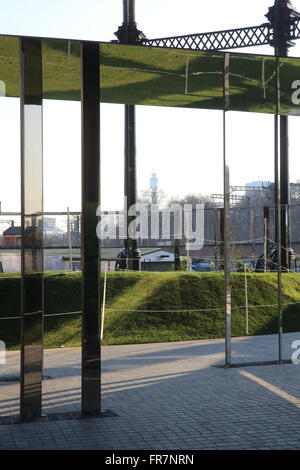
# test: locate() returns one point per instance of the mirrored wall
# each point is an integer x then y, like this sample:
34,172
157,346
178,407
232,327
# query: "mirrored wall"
180,107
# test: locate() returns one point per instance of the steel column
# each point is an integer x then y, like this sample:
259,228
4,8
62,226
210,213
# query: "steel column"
227,257
278,224
215,238
32,230
253,230
284,191
281,26
281,35
176,254
227,235
278,241
221,225
90,253
128,34
130,188
266,238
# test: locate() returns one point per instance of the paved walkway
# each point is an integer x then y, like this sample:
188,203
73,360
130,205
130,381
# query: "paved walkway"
166,396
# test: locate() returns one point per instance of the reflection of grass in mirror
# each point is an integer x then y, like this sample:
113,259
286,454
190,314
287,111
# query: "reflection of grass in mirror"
61,69
289,72
153,76
9,65
157,76
252,84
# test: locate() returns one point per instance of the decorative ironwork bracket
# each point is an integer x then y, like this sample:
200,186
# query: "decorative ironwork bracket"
227,39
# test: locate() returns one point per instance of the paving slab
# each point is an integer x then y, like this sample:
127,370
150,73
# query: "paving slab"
164,396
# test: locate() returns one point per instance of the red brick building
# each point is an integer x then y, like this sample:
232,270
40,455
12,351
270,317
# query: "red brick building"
12,237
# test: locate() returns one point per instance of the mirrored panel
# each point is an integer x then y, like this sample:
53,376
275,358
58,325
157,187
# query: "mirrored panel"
289,75
180,174
9,66
32,240
10,226
290,277
61,71
252,83
250,154
160,77
90,184
61,221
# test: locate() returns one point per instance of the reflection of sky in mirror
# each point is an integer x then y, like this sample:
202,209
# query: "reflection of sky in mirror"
33,163
10,154
181,146
184,147
62,155
250,150
161,77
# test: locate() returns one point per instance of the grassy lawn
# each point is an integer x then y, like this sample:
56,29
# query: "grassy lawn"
154,307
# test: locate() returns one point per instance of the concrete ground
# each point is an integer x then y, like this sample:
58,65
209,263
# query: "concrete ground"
166,396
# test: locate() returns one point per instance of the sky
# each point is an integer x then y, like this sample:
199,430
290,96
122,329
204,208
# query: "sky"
184,146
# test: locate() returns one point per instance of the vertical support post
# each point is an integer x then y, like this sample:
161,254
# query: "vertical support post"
129,34
278,242
90,253
103,306
284,190
266,237
176,254
278,224
221,223
215,239
32,295
130,188
281,24
69,240
246,300
227,236
253,231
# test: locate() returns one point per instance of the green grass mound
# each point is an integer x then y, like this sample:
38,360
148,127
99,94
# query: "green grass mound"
155,307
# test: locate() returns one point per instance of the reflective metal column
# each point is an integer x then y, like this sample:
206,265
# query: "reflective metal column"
129,34
266,237
221,230
32,230
281,50
284,191
130,187
278,222
90,253
227,247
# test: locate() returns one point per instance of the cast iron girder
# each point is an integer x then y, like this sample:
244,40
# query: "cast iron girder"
227,39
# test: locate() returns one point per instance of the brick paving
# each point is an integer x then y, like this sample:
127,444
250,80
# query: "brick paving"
166,396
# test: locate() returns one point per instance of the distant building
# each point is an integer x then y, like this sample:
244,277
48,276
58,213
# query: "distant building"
258,184
154,186
12,237
49,223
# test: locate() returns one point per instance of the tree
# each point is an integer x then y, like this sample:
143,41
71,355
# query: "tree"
191,198
146,197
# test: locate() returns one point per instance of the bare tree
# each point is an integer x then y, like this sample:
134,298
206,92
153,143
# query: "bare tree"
146,197
191,198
